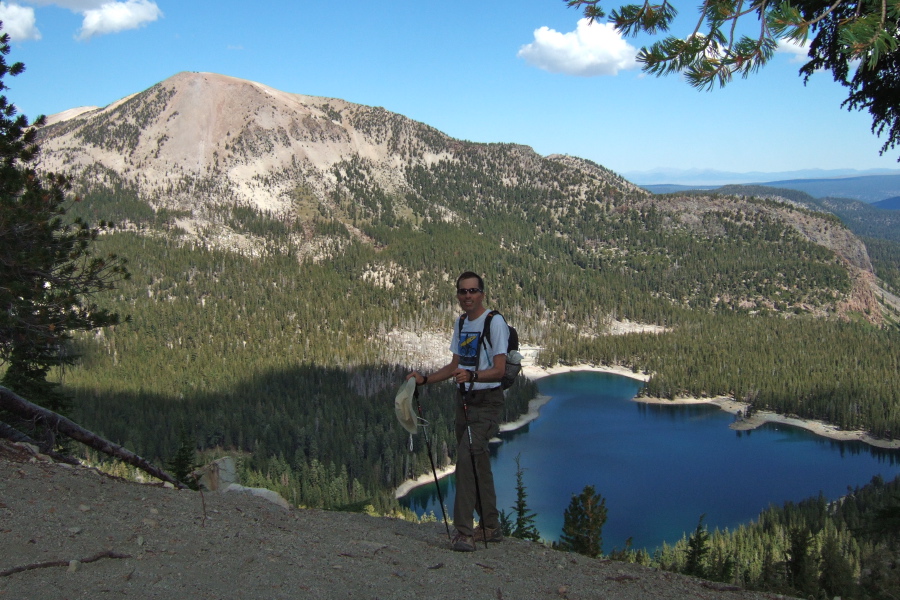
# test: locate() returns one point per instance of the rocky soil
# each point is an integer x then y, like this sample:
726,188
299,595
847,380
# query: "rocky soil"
72,532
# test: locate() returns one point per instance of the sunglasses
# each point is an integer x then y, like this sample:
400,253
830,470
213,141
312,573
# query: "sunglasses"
464,291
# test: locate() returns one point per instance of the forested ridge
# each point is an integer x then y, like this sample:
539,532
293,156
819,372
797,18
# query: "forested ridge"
878,228
863,219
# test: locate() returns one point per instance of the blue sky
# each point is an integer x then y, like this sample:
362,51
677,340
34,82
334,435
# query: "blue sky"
524,71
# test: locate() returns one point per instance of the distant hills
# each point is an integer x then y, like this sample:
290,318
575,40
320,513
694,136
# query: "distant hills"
694,178
870,189
888,203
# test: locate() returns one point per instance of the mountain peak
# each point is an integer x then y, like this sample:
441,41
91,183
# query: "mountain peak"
205,137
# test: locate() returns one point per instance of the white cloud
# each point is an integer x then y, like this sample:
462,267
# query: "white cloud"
112,17
73,5
797,51
18,22
592,49
100,16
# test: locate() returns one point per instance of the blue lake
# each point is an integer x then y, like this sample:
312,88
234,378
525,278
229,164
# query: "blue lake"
660,467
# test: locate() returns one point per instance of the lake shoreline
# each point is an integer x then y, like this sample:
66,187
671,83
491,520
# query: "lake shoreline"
760,418
729,404
726,403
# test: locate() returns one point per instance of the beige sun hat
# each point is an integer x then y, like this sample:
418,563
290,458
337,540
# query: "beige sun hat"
403,405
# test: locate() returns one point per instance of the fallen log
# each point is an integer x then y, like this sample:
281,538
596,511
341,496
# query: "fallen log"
60,424
14,435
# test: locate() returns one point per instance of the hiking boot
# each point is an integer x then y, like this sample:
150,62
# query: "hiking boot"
463,543
491,534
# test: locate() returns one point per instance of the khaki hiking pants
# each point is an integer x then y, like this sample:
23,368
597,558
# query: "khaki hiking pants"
485,410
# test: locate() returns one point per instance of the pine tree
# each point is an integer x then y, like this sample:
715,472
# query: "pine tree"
47,271
184,462
524,527
836,578
698,548
801,562
583,522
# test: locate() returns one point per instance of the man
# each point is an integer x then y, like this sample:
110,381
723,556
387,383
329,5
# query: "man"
476,367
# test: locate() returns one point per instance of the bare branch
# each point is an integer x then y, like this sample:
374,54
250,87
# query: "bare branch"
702,17
830,10
734,23
62,563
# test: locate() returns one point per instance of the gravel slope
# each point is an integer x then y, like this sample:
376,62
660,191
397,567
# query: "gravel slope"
153,542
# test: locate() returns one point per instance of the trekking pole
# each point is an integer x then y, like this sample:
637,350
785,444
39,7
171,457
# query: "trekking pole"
472,455
437,485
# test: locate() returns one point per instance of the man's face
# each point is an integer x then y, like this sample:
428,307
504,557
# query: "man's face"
468,300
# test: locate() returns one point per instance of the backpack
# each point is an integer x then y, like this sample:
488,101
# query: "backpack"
513,358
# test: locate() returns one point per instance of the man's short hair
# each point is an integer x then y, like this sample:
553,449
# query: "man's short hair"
471,275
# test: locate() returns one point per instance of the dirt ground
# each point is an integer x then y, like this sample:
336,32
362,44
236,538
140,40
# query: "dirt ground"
72,532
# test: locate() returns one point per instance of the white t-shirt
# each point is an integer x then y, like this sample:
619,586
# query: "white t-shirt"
466,346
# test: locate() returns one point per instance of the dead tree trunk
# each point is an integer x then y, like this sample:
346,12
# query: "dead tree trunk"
13,434
58,423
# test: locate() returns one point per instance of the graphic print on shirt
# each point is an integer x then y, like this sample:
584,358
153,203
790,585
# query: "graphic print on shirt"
468,348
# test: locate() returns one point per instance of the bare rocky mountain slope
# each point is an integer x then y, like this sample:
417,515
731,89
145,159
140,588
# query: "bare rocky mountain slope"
72,532
203,136
198,142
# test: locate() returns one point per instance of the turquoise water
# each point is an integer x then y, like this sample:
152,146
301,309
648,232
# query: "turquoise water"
660,467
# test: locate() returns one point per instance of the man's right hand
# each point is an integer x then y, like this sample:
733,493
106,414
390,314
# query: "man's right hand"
462,375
